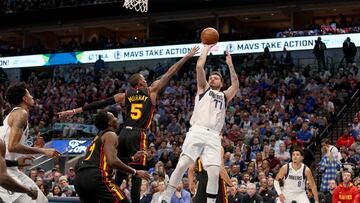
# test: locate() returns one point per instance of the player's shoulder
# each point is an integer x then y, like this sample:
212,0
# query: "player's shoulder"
19,112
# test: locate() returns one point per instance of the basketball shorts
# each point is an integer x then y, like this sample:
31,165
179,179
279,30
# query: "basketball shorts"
92,187
204,143
132,140
23,179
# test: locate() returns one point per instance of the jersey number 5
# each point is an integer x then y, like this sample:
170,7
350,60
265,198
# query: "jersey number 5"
136,111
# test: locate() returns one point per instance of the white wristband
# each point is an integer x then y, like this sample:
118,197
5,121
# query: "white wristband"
134,172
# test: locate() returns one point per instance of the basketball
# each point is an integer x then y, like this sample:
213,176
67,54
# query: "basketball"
209,36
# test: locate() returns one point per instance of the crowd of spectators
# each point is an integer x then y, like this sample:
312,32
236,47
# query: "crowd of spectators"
17,6
274,110
341,26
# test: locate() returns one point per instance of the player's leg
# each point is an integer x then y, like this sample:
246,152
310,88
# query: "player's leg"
120,176
211,158
192,147
222,192
109,192
200,196
137,141
85,186
28,182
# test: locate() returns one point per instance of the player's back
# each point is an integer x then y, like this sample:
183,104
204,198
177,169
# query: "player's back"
295,180
95,155
139,108
5,133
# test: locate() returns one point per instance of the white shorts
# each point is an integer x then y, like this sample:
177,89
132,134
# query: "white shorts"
23,179
298,197
204,143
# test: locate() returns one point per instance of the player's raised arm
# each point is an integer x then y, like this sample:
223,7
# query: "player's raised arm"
312,184
202,83
117,98
158,85
234,87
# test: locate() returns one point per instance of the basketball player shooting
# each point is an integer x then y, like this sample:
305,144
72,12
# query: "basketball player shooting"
295,174
203,139
140,102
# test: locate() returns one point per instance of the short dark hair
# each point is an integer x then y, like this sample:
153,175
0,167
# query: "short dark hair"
298,149
134,79
15,93
102,120
325,140
218,74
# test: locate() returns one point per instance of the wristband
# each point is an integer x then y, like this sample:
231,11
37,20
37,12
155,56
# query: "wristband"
11,163
134,172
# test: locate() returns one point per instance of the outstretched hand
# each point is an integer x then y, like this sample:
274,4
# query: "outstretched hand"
64,114
193,51
228,58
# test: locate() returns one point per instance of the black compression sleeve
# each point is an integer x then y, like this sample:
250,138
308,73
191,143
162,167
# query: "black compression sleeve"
11,163
99,104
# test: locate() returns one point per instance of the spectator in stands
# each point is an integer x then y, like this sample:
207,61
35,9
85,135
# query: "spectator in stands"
326,143
158,195
274,162
251,194
329,166
56,192
319,52
349,50
235,195
352,131
145,194
267,195
346,191
70,175
304,134
356,145
180,195
283,155
345,140
99,64
68,190
347,161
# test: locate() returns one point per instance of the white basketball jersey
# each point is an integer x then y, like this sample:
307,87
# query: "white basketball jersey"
5,133
209,110
295,180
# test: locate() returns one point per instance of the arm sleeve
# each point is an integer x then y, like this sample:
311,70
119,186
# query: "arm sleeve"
11,163
99,104
277,187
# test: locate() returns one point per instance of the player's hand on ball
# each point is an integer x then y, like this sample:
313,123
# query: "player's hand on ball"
25,161
142,174
33,193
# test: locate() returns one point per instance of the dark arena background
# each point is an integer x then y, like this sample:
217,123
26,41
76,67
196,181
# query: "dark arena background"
297,64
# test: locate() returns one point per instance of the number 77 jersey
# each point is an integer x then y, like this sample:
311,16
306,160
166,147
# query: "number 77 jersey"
139,108
209,111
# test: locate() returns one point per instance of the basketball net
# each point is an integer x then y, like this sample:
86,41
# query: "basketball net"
138,5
